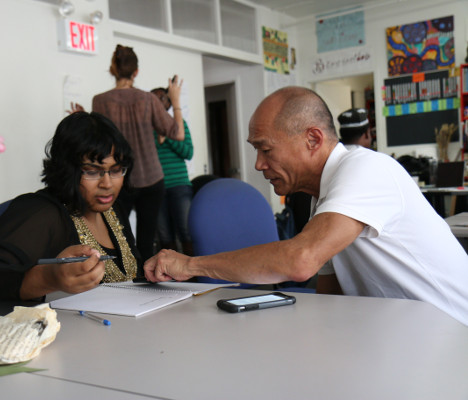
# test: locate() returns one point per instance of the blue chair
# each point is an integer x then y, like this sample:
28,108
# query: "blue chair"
228,214
4,206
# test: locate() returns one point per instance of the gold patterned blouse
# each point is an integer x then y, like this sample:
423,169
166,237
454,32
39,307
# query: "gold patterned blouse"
112,272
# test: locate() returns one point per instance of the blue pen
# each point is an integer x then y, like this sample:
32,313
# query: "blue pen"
94,318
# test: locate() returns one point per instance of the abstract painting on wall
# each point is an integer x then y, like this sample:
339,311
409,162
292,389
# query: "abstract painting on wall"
422,46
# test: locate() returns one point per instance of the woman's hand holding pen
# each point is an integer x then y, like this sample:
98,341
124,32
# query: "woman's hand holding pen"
80,276
71,277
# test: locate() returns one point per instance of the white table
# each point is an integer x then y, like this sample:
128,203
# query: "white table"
458,224
436,196
324,347
33,386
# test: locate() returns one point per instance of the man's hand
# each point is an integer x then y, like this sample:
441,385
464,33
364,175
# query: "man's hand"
167,265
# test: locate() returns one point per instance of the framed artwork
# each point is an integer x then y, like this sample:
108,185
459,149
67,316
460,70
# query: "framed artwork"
422,46
275,50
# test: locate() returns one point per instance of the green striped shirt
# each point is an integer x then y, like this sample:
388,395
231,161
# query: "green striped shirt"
172,154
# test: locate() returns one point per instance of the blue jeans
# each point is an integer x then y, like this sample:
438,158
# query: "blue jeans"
173,215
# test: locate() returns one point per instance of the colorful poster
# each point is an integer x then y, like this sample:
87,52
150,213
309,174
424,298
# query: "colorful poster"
275,50
422,46
421,92
340,32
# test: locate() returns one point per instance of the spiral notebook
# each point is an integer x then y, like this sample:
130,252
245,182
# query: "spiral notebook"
133,299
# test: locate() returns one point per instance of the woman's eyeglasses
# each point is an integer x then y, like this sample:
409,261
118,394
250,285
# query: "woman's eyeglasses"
114,173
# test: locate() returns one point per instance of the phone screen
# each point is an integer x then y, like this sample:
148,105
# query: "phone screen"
256,299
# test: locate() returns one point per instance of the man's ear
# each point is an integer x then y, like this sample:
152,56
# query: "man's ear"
314,138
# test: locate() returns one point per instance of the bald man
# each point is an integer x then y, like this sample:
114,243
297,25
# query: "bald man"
368,216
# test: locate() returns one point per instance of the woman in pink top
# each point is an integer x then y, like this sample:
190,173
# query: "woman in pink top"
137,114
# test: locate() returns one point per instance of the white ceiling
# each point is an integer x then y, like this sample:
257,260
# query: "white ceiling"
305,8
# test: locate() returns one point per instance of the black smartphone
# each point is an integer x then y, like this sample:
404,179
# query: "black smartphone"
257,302
173,78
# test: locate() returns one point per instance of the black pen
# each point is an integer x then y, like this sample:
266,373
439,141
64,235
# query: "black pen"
67,260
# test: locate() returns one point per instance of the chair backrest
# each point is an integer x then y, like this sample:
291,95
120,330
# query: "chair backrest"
4,206
228,214
199,181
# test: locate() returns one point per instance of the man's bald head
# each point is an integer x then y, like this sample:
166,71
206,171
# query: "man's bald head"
295,109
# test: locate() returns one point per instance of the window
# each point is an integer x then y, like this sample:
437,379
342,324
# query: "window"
238,26
195,19
147,13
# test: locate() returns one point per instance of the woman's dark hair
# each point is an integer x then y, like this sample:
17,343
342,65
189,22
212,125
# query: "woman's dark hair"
124,62
158,92
81,135
159,89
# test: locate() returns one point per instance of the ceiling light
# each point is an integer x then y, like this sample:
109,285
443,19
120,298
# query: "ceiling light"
96,17
66,8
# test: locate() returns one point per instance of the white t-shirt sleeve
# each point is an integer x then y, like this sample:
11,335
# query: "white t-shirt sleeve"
366,194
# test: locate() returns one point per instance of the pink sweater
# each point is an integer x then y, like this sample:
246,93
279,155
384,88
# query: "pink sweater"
137,114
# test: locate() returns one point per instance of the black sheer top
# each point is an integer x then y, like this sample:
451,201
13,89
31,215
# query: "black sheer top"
37,225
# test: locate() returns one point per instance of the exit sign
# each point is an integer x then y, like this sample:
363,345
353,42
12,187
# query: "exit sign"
77,37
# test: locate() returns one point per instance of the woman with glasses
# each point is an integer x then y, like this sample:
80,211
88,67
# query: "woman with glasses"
137,114
76,214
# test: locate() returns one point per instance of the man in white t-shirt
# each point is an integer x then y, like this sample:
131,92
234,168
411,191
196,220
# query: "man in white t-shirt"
369,216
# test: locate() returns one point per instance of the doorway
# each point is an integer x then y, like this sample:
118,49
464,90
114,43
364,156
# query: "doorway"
222,131
350,92
219,138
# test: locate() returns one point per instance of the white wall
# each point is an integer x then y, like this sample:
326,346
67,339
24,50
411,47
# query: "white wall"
248,81
251,88
281,23
34,70
157,64
336,95
31,96
377,19
340,93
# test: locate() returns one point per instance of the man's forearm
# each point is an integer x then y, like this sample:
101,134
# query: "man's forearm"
262,264
296,259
